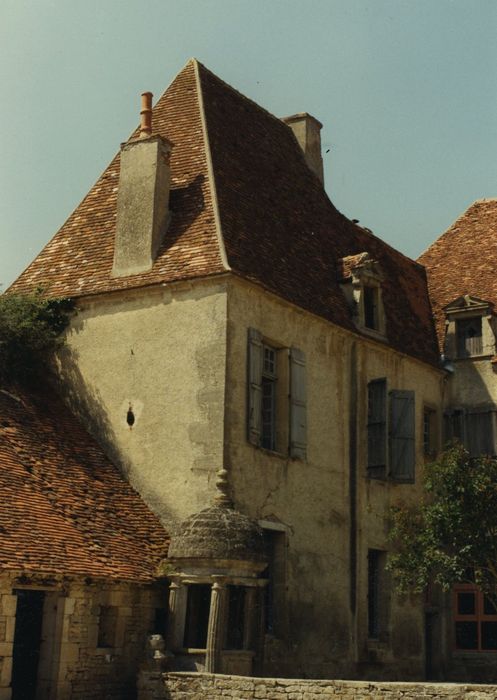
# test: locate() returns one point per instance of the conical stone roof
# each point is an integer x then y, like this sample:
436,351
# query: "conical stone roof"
218,532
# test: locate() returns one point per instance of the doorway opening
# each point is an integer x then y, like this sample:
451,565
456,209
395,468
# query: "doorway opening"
27,643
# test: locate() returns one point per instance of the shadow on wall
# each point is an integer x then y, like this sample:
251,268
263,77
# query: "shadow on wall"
87,405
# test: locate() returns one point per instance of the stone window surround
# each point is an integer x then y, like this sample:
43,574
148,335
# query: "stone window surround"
367,273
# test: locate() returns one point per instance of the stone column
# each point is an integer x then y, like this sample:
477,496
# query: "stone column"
176,622
215,631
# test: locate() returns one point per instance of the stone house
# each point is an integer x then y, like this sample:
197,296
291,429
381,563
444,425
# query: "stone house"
461,268
264,372
79,552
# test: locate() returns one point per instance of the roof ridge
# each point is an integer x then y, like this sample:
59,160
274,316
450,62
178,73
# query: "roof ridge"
454,222
210,169
244,97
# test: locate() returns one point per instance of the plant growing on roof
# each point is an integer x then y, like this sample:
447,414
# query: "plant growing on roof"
452,536
30,330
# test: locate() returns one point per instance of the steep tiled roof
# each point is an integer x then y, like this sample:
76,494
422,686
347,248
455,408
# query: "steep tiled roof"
277,226
69,511
464,260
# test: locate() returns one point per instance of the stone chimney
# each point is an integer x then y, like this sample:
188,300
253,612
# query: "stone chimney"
142,198
306,129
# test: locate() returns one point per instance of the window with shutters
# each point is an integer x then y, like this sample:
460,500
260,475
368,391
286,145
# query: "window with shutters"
390,433
475,428
276,398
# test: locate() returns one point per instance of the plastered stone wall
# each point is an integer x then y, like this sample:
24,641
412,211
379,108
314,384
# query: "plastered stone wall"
182,686
324,633
159,352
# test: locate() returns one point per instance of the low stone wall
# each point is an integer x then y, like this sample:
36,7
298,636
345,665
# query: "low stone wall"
195,686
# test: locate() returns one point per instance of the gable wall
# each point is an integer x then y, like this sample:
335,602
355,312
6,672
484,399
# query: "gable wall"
162,351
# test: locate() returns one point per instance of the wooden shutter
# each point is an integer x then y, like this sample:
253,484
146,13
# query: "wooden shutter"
377,428
402,447
480,433
298,418
254,399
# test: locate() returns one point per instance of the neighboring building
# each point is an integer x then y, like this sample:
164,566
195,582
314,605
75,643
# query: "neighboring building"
461,267
79,554
231,321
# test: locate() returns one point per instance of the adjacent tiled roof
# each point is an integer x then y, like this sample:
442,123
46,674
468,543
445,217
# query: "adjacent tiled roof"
464,260
69,510
277,225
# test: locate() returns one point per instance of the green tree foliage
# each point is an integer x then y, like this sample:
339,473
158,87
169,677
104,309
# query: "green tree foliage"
30,330
452,536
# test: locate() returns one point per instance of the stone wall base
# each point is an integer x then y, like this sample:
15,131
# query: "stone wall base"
204,686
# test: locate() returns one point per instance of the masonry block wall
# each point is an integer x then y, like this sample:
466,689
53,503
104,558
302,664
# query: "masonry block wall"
96,632
184,686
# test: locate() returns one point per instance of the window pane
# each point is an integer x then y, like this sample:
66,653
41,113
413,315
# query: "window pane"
489,608
489,635
268,413
466,635
466,604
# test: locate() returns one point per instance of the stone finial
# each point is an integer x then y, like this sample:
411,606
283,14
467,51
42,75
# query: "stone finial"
222,496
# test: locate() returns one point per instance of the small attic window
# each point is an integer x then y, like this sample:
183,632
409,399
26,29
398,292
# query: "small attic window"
371,319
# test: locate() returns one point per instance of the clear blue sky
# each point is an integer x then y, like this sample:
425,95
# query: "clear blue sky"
406,90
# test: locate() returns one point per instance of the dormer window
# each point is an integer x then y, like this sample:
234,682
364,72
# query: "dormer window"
470,328
361,281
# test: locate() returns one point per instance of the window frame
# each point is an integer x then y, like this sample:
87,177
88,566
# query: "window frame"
479,617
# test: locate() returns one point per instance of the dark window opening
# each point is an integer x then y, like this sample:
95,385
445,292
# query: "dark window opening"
197,616
107,626
469,337
377,428
275,591
160,621
236,617
371,307
373,593
429,433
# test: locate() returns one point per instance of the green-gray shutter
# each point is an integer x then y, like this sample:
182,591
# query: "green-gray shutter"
402,446
298,410
377,428
254,370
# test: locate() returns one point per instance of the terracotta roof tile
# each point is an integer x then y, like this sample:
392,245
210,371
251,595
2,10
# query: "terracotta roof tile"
278,227
464,260
69,510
